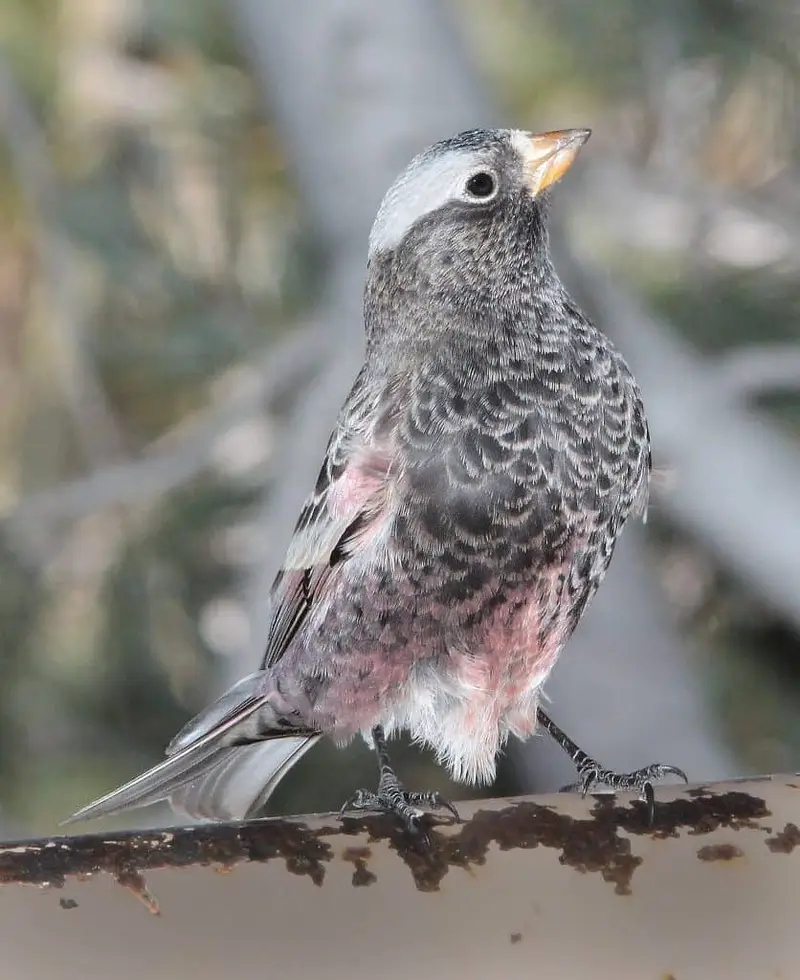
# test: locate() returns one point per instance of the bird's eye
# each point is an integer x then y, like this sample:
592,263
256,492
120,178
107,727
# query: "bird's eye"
481,185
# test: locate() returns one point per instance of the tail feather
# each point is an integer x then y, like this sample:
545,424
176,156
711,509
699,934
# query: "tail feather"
206,773
240,779
149,787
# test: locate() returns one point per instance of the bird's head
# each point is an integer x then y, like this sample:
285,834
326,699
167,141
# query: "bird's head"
466,184
467,214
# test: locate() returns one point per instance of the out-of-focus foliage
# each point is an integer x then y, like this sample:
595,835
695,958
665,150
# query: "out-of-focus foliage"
147,255
154,251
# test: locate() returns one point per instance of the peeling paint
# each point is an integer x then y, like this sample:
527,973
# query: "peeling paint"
358,856
598,843
226,868
590,845
719,852
785,841
134,882
587,845
707,811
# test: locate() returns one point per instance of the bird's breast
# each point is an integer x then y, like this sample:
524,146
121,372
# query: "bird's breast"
466,702
510,653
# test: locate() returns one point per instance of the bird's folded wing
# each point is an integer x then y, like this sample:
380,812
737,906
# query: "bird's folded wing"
350,504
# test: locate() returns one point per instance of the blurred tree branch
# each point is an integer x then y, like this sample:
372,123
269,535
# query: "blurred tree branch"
96,428
745,373
175,458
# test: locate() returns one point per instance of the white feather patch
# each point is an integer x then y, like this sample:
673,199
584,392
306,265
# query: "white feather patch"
426,184
440,712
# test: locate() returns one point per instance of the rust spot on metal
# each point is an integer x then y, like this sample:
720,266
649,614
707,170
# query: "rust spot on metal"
706,812
52,861
515,937
135,883
298,845
590,845
358,857
785,841
67,903
719,852
599,843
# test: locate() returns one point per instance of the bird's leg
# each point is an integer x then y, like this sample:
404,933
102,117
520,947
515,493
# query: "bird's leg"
391,797
591,772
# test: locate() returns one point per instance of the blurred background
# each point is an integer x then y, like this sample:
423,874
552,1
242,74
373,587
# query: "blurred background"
186,191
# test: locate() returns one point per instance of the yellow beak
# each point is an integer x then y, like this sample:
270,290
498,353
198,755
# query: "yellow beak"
548,156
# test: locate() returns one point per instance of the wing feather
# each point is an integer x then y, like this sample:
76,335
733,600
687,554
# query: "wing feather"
349,502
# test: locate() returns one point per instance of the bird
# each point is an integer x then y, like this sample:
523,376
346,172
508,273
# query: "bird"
492,447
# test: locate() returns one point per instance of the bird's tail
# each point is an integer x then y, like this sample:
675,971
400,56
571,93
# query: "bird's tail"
237,782
208,772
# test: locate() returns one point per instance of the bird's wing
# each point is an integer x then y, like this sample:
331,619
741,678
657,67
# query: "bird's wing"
208,771
642,497
347,507
188,756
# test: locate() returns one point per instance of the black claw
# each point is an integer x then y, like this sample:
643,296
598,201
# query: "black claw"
434,801
416,829
649,797
354,802
589,779
642,779
674,771
591,772
447,805
400,804
392,798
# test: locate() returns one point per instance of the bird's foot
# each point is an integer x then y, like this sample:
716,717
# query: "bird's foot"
392,798
591,773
